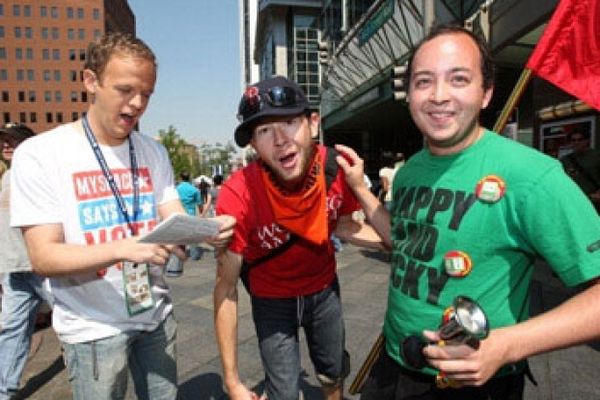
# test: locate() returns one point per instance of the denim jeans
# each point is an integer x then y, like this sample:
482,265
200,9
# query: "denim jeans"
23,294
195,252
277,324
98,370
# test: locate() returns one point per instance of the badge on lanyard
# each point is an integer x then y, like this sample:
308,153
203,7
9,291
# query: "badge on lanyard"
136,282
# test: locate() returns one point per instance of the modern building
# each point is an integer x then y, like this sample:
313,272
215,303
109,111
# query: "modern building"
42,52
358,104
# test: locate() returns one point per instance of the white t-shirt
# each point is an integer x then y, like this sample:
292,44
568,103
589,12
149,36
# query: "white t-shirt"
56,179
388,173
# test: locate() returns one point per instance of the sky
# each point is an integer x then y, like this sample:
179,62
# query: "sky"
196,43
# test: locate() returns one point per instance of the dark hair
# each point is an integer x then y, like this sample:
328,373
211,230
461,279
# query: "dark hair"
217,179
388,159
488,68
184,175
100,51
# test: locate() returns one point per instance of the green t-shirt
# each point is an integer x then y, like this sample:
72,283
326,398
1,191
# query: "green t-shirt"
436,210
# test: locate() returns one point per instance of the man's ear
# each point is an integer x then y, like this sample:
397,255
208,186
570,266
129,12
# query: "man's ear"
487,97
314,120
90,81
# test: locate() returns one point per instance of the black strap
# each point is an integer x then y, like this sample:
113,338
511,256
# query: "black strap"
331,171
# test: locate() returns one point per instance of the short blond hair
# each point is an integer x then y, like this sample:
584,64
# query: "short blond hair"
100,51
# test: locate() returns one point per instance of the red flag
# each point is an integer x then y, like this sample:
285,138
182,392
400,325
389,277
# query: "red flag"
568,53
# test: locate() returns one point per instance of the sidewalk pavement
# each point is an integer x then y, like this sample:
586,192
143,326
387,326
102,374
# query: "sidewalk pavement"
571,374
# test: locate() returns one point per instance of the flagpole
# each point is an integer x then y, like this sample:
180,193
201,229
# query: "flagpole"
361,376
513,99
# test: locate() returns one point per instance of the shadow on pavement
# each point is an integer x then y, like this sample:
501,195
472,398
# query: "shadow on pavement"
378,255
202,387
40,379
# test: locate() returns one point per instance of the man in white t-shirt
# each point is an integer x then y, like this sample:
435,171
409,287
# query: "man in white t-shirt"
82,192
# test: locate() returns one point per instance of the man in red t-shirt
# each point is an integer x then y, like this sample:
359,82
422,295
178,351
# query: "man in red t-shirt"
286,209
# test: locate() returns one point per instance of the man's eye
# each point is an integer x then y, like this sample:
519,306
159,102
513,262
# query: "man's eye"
460,80
422,83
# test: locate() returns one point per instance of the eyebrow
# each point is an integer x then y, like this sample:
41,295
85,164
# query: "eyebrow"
453,70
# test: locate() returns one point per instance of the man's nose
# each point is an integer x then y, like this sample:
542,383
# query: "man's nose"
439,92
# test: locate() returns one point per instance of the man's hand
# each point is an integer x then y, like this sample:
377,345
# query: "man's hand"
352,165
464,364
221,240
241,392
131,250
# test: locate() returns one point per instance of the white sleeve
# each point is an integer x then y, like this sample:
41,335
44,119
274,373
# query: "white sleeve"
34,197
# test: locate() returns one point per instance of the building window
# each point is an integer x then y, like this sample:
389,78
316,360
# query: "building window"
16,10
47,96
59,117
5,96
6,116
74,116
57,75
54,12
33,117
1,31
73,76
305,65
72,54
82,55
80,13
20,75
45,54
30,75
3,75
83,97
55,33
28,32
56,54
31,96
2,53
17,32
43,11
71,34
1,9
81,34
19,53
27,10
29,53
70,12
22,117
21,96
58,96
97,33
46,75
96,14
49,117
73,97
44,33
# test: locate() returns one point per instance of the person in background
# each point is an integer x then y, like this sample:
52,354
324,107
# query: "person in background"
470,213
286,211
193,205
386,176
214,194
205,194
82,194
24,290
583,165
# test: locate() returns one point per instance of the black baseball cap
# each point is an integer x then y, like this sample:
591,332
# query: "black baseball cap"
276,96
16,132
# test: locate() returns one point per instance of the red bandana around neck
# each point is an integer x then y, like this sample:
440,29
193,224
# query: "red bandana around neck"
303,213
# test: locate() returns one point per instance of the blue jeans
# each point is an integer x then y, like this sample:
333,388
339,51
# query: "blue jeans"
277,324
23,294
195,252
98,369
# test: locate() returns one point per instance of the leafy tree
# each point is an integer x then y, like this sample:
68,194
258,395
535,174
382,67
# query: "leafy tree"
217,157
176,146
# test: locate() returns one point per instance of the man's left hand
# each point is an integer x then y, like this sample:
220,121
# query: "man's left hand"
222,239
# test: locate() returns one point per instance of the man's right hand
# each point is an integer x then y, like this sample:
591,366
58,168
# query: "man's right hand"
241,392
131,250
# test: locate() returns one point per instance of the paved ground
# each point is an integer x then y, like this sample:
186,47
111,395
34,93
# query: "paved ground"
571,374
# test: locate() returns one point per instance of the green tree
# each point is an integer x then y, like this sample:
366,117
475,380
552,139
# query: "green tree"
176,146
216,157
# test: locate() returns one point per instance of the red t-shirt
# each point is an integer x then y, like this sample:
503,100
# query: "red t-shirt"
304,268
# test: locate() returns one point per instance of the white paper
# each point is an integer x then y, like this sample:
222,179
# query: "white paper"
182,229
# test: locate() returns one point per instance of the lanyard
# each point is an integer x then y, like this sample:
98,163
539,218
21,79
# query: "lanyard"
110,178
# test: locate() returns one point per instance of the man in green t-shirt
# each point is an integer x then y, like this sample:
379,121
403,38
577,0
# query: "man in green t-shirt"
469,215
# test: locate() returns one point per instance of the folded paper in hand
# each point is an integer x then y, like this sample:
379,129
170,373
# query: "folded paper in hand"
182,229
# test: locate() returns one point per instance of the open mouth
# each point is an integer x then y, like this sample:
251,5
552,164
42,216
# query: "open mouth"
128,119
288,161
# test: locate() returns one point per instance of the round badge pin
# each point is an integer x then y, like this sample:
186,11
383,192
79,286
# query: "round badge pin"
457,263
490,189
